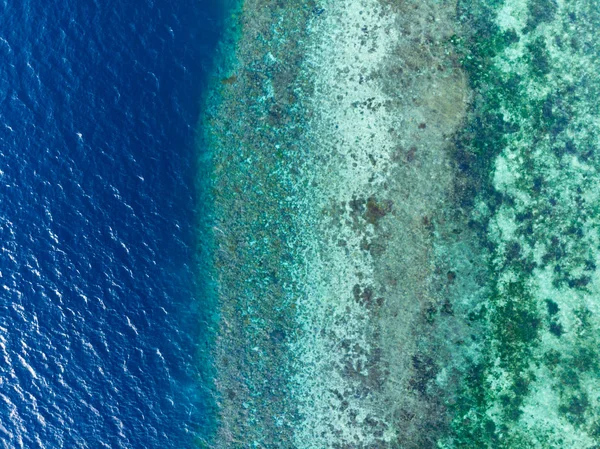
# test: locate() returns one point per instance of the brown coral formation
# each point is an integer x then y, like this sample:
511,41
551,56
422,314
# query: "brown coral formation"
333,171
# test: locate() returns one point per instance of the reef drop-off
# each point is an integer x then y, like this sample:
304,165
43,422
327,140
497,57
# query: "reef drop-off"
405,224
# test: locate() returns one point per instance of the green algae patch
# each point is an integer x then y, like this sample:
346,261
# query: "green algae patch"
531,131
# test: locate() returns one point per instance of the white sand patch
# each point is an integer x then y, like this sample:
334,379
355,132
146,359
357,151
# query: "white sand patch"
512,15
349,133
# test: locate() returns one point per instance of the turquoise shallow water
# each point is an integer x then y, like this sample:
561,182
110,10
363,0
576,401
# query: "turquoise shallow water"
406,225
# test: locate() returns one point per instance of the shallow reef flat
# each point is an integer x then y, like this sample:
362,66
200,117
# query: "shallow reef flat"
406,217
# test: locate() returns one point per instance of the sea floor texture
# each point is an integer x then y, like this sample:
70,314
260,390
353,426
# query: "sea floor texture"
406,224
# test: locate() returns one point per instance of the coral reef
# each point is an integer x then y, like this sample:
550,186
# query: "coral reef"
406,224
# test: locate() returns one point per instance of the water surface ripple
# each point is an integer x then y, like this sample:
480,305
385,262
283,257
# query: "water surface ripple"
99,328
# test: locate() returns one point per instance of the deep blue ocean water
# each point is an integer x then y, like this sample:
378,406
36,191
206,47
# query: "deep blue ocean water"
101,314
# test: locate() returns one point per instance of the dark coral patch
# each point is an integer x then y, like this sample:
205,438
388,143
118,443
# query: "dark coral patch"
376,210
